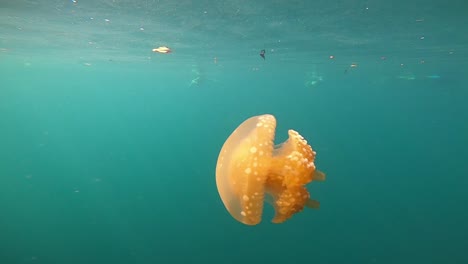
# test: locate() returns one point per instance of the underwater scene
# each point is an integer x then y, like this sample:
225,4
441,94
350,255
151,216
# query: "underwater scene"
233,131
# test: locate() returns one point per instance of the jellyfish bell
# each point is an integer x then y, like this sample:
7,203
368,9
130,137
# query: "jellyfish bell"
251,170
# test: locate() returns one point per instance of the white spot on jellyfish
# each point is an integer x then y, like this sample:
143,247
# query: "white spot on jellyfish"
248,170
243,213
253,149
259,124
245,197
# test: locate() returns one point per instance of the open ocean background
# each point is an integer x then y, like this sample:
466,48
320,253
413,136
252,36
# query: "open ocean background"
108,150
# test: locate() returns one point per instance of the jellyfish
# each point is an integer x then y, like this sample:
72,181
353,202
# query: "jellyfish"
252,170
313,78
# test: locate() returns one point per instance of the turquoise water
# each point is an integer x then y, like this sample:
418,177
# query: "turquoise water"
108,150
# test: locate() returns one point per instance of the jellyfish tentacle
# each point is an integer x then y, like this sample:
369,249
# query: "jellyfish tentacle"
319,176
314,204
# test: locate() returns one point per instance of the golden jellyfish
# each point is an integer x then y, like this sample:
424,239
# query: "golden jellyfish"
251,170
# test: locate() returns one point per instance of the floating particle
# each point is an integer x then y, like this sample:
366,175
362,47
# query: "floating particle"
162,49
